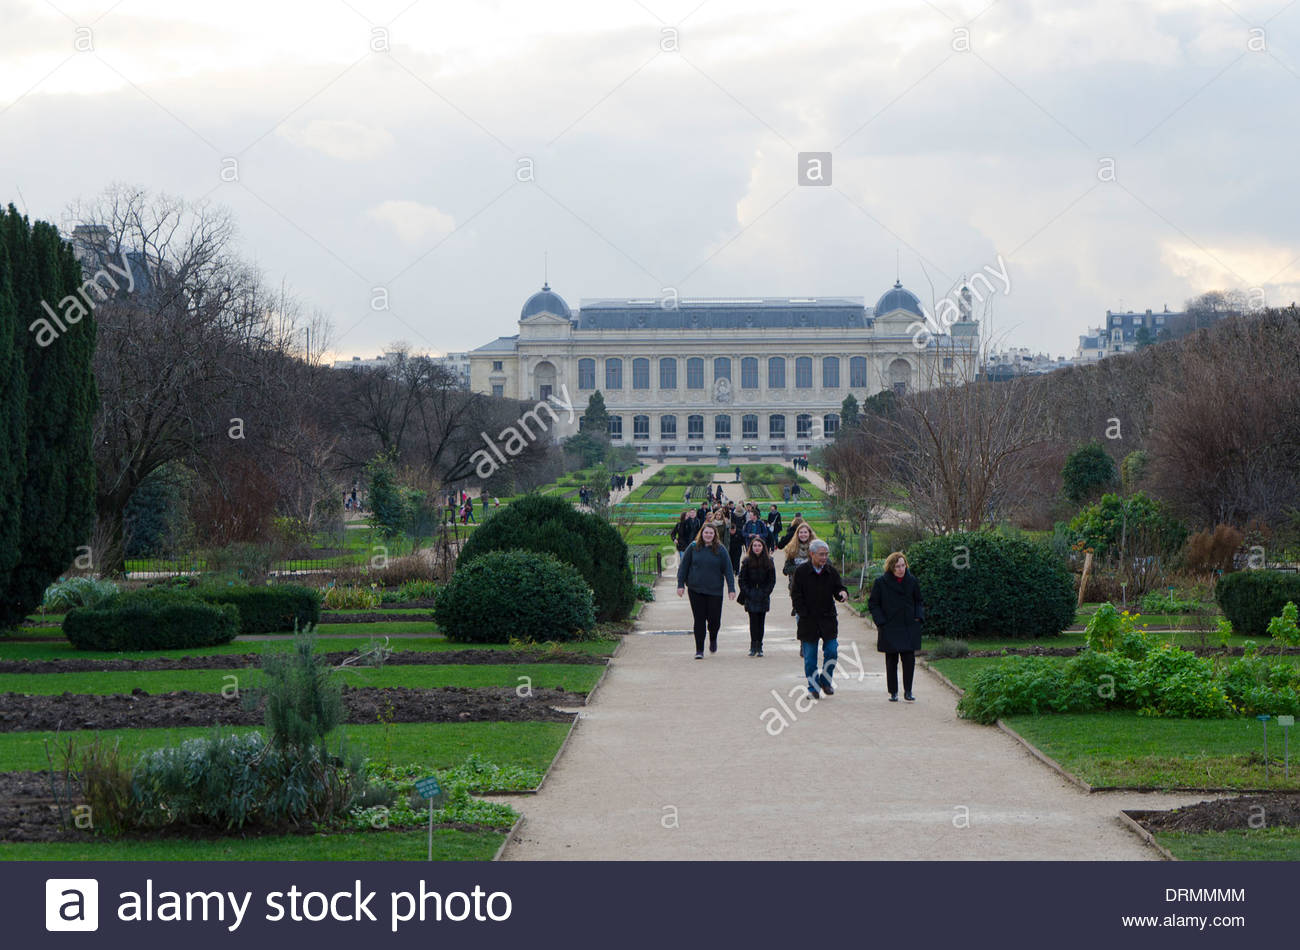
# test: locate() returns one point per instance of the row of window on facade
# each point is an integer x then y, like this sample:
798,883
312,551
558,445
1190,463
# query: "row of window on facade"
803,426
776,372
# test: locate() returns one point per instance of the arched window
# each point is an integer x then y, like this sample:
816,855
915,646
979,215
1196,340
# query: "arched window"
776,427
667,427
749,427
776,372
613,373
640,373
722,428
803,426
694,427
616,427
640,427
858,372
830,424
695,373
831,372
749,373
900,376
668,373
803,372
586,374
721,368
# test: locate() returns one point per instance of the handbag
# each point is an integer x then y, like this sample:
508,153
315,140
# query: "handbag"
740,597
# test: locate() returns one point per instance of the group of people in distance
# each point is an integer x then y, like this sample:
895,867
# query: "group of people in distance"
707,571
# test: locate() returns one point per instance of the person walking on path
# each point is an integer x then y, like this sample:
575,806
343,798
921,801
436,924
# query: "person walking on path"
815,588
735,542
898,611
797,552
684,532
702,569
774,521
756,580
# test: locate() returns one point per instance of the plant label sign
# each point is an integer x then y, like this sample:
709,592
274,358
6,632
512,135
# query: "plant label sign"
428,787
1286,720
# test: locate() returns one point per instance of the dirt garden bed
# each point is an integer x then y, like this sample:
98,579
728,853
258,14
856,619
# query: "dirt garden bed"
1278,810
141,710
234,661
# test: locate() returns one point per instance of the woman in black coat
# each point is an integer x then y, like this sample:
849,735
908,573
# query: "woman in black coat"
756,580
898,611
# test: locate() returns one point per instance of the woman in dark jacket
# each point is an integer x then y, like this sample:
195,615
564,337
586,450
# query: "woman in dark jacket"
898,611
756,580
685,530
703,567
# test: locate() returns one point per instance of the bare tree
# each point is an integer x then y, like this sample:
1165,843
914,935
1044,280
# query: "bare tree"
177,350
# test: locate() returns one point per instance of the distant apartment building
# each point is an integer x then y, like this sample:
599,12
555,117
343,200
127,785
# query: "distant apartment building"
458,363
1020,361
1124,333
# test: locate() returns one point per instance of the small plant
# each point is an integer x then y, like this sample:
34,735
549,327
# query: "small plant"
645,592
77,592
1283,627
950,650
1224,632
418,590
353,597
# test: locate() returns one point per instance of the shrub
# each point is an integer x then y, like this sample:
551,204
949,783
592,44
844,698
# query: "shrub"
1160,602
978,584
1284,627
950,649
1088,472
1213,551
273,609
1250,599
1138,523
1110,629
553,526
1110,679
1022,684
521,594
78,592
1268,685
418,590
151,620
1175,683
352,598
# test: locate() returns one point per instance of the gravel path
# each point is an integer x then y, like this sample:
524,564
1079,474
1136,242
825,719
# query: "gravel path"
673,760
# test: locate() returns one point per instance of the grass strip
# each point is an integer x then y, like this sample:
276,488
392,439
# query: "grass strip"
574,678
432,745
449,844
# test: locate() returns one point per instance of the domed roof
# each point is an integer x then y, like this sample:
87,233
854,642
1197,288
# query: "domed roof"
899,298
545,301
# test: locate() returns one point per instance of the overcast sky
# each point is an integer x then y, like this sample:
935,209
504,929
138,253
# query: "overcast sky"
663,138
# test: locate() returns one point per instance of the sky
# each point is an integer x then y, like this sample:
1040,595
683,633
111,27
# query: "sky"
449,157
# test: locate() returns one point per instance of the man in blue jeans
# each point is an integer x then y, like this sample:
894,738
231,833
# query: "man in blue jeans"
815,588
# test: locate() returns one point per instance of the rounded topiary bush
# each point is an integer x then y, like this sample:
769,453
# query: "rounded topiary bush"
524,594
1250,599
151,620
977,584
553,526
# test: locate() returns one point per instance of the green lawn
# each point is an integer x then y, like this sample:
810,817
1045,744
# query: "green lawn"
17,650
377,628
1123,748
574,678
438,745
449,844
1262,844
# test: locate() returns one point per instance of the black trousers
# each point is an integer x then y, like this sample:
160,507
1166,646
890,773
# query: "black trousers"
756,624
891,670
707,611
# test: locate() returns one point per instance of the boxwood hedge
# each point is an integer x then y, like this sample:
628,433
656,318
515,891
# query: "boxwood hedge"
553,526
1250,599
523,594
979,584
151,620
268,609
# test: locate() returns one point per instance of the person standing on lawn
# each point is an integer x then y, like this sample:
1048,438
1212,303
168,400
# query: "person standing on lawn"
898,611
815,587
756,580
774,521
702,569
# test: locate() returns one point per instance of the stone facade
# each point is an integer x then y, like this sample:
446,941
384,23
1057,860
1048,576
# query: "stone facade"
760,376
